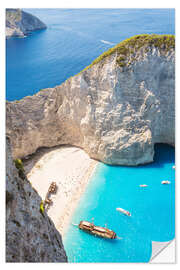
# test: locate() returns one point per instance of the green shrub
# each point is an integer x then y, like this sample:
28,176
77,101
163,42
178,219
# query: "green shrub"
121,58
41,207
18,163
121,64
120,61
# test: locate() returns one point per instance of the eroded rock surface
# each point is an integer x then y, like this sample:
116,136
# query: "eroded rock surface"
30,235
19,23
116,111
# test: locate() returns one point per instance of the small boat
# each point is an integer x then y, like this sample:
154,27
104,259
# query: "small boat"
125,212
96,230
165,182
53,188
143,185
174,167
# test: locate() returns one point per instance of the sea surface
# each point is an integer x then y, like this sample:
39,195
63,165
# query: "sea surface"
73,39
152,211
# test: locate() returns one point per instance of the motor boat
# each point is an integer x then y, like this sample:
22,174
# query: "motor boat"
143,185
125,212
165,182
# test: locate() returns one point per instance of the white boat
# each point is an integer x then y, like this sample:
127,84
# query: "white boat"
165,182
143,185
174,167
125,212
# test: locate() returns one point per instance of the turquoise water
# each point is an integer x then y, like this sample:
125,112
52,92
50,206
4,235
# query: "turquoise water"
73,39
152,209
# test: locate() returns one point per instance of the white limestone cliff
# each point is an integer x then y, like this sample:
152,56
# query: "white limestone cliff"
116,109
19,23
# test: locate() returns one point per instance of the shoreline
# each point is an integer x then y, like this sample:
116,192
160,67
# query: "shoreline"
71,168
63,225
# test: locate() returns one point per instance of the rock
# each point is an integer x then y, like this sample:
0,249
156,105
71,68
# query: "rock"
19,23
30,235
116,109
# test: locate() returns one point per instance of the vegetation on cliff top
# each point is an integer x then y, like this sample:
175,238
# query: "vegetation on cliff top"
127,47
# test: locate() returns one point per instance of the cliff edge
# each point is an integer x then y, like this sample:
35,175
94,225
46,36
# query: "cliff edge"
30,234
19,23
116,109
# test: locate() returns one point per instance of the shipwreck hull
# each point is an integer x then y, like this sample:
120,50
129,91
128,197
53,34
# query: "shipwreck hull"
97,230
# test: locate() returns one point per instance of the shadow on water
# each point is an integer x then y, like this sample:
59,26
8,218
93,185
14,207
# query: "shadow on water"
105,240
160,157
29,34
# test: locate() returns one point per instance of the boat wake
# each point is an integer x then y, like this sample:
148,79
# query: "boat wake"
74,224
119,238
107,42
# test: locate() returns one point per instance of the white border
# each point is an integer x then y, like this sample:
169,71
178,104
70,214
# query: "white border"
89,4
77,4
2,137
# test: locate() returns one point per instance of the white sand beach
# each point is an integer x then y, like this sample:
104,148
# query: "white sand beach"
68,166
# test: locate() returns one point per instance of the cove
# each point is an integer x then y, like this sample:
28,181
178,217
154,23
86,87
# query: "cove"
152,209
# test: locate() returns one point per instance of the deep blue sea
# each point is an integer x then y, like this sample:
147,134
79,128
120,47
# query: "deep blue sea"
73,39
152,209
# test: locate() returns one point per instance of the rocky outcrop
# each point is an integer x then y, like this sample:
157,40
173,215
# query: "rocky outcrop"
20,23
116,109
30,234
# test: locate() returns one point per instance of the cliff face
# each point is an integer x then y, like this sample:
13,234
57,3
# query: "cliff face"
20,23
116,109
30,235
